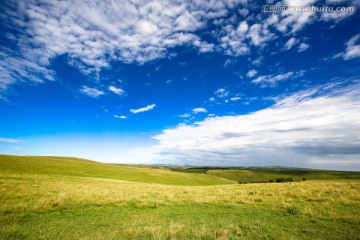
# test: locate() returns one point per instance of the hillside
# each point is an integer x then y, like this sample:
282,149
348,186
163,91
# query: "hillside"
251,176
191,176
85,168
266,174
70,198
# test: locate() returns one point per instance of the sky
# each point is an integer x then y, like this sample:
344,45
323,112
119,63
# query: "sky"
215,83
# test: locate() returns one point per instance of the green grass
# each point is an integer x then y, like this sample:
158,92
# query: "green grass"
173,222
264,174
86,168
255,175
45,203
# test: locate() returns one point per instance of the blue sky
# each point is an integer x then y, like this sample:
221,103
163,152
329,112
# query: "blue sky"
182,82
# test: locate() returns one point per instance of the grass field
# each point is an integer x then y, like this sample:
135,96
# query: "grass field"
262,175
61,198
266,174
85,168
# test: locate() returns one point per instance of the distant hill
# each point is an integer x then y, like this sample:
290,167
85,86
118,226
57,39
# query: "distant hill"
266,174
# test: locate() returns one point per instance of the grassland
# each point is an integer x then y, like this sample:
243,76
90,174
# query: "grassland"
266,174
69,204
65,166
263,175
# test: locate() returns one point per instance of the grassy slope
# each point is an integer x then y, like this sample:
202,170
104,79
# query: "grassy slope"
263,175
85,168
65,207
57,198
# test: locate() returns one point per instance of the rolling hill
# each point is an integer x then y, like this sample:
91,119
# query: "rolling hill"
71,198
85,168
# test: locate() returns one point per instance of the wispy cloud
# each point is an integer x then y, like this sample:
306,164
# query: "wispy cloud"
143,109
16,68
221,93
91,92
235,99
303,47
220,96
120,117
251,73
92,34
10,140
199,110
255,32
313,128
233,39
118,91
223,96
290,43
185,115
352,48
272,80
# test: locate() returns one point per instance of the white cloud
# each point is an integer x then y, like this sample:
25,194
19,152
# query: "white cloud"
256,31
10,140
185,115
235,99
352,48
221,93
303,47
251,73
143,109
242,28
116,90
271,80
295,21
199,110
244,12
232,39
313,128
259,34
290,43
146,27
14,68
93,33
258,61
188,22
120,117
91,92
